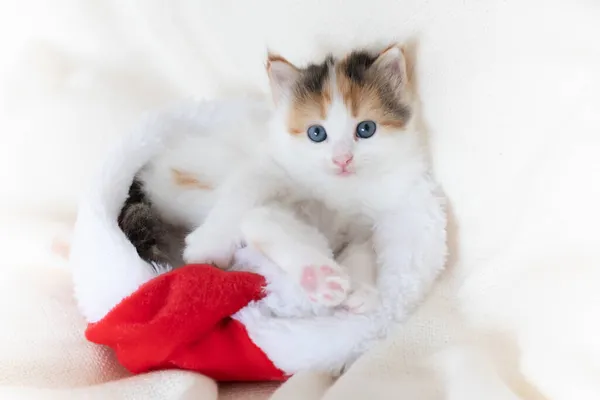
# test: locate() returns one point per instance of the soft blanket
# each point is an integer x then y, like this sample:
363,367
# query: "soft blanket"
510,91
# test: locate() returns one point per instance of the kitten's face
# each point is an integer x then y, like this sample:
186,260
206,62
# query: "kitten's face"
342,119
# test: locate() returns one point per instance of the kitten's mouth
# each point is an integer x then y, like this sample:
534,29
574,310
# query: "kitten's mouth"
344,172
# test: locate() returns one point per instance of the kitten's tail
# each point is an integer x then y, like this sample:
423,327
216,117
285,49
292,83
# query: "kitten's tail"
106,266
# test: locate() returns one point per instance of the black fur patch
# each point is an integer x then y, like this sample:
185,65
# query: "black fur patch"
356,65
144,228
313,77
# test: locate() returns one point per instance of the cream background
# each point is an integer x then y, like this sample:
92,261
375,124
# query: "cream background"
511,93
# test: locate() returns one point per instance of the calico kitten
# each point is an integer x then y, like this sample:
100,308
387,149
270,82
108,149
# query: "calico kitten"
330,185
342,134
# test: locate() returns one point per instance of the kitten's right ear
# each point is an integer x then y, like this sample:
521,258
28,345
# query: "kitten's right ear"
391,63
282,76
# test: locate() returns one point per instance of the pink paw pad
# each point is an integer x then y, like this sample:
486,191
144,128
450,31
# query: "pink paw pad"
327,270
309,279
325,284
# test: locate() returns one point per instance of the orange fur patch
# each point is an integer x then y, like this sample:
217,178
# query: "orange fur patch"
188,180
308,109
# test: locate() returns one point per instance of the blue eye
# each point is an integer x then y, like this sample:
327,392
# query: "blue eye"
365,129
316,133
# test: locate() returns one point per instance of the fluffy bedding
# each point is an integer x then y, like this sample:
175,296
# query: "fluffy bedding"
510,93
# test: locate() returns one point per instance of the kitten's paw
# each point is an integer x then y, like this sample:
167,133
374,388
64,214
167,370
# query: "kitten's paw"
204,246
362,300
326,285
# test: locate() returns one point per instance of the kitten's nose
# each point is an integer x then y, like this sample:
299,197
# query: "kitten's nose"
343,160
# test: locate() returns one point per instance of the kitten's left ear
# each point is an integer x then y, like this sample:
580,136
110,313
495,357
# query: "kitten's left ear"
282,76
391,63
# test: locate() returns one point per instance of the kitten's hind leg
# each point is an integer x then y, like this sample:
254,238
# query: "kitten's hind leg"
300,250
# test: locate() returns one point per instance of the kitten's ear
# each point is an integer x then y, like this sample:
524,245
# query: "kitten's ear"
391,63
282,76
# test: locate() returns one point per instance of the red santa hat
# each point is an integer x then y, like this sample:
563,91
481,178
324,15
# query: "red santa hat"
229,325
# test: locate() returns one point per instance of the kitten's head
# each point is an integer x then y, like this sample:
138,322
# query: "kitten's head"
343,119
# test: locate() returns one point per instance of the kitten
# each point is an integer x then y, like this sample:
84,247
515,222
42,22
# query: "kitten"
342,135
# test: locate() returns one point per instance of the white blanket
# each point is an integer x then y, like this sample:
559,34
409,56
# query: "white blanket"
510,91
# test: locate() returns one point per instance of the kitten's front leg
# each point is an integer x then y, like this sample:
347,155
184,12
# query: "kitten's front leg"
410,243
216,240
358,258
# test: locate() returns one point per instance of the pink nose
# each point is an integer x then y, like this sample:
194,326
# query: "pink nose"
343,160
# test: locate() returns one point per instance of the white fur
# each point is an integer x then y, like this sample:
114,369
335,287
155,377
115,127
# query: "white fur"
297,248
297,237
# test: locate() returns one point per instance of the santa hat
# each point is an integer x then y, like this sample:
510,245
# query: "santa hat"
182,319
229,325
